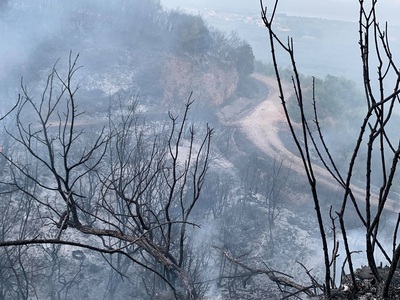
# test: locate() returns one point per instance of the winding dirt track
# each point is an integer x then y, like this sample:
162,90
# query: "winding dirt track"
263,126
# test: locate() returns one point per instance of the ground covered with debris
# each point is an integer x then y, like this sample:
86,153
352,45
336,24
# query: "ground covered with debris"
367,286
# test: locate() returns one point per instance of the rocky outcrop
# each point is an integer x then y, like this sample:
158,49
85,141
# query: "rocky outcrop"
211,82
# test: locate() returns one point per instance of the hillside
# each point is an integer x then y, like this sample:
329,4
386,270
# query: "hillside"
115,185
136,48
136,63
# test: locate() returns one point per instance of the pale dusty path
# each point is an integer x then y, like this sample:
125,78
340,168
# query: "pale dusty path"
262,125
266,121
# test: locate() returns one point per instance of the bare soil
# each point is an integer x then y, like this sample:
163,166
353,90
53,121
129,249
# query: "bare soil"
264,125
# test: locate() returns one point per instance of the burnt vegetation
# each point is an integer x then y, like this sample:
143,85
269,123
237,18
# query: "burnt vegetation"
114,185
376,149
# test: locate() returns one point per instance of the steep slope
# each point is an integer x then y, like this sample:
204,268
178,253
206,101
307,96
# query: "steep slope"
266,127
211,81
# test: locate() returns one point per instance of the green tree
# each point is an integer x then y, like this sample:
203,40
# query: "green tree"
193,35
244,59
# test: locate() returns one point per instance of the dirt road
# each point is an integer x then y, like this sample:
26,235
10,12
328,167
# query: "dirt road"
265,125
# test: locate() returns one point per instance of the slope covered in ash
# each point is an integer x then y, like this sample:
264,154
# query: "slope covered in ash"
131,46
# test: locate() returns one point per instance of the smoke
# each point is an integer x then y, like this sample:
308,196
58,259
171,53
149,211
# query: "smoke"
357,245
111,39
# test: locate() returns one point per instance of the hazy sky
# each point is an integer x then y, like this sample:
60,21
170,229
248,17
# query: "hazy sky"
331,9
